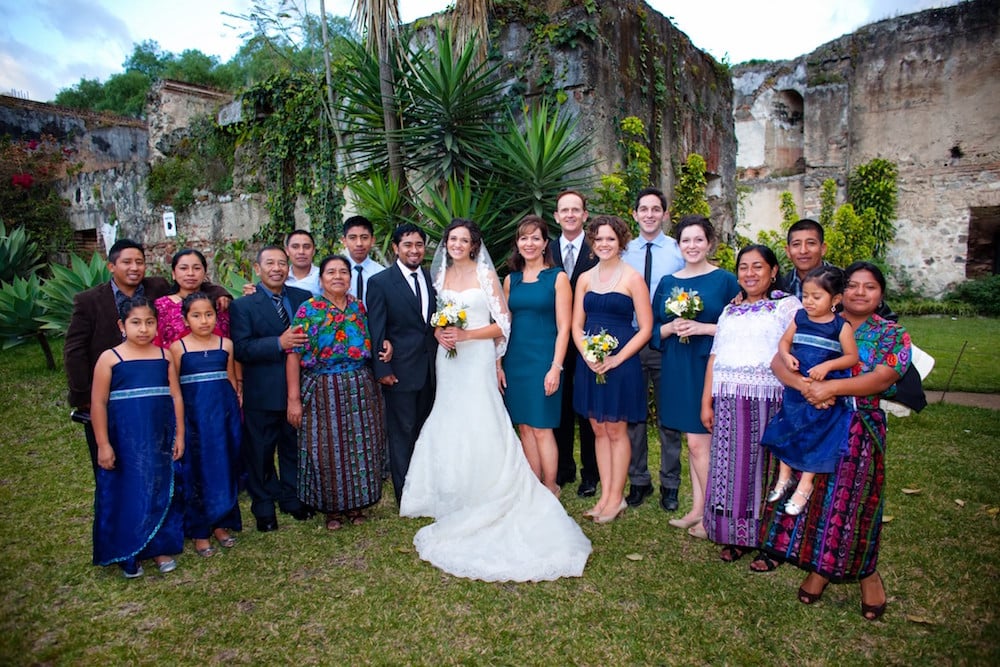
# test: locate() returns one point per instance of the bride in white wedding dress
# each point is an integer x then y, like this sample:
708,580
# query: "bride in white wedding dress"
493,519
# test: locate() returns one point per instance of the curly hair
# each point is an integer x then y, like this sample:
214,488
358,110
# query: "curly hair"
616,224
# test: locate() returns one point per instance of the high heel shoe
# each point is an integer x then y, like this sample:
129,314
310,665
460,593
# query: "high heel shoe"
873,612
805,597
779,490
685,523
608,518
793,508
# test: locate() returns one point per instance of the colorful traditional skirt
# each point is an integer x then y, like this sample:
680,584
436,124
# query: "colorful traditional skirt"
838,534
734,496
341,441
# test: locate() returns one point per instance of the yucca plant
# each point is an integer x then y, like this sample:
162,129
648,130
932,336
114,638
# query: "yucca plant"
58,291
535,163
19,255
455,104
21,309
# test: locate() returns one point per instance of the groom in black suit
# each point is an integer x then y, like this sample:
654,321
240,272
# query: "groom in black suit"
572,252
400,302
262,337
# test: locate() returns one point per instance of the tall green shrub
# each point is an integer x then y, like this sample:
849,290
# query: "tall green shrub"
827,202
689,193
617,190
872,186
850,238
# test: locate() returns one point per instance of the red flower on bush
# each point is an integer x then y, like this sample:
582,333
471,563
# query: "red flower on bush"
22,180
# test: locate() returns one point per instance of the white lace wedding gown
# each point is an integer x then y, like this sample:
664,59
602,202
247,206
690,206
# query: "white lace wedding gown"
493,519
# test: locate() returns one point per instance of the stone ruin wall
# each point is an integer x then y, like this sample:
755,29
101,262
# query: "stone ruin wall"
920,90
605,79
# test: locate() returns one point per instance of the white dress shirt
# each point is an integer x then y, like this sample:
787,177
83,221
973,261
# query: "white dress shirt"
310,283
369,268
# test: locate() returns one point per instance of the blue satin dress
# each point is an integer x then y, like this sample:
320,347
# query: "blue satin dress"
137,514
212,437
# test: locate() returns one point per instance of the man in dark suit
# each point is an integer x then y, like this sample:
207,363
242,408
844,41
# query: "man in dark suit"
93,326
400,301
262,337
572,253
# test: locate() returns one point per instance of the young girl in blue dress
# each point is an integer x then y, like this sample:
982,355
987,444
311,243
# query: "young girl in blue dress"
212,427
138,420
818,344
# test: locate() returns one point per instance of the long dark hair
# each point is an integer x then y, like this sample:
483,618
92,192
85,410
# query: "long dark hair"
184,253
475,236
772,261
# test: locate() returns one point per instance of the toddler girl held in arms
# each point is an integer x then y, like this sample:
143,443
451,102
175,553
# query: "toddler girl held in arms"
818,343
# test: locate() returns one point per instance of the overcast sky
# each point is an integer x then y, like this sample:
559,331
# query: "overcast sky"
47,45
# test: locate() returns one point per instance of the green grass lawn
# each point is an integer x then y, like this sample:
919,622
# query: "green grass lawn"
650,594
942,337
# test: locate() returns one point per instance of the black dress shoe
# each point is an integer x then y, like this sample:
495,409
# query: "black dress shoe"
668,499
638,493
302,513
266,524
587,488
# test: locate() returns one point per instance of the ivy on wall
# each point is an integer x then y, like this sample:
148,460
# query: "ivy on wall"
295,151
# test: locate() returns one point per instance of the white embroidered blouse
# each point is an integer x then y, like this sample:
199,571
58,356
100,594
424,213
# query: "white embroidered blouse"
745,342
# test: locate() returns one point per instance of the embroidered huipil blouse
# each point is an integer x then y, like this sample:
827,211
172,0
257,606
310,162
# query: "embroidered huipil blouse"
746,340
338,339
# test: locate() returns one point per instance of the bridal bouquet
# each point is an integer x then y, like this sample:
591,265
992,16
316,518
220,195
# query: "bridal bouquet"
449,314
684,304
596,347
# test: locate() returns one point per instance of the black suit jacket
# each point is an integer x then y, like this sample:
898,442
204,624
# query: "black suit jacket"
255,327
587,260
394,315
93,328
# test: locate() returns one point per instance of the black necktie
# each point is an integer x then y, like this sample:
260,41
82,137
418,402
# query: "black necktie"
280,307
359,288
649,262
420,299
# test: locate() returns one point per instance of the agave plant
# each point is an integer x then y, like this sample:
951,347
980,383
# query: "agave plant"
21,309
57,292
19,255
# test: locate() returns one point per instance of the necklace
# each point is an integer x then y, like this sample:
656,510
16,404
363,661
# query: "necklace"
601,285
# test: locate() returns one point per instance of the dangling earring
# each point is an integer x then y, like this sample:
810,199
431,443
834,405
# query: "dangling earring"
124,337
833,309
773,278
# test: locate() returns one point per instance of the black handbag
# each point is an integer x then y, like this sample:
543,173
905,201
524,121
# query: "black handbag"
910,390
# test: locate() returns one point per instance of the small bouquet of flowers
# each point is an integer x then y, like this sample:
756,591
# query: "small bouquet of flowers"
596,348
684,304
449,314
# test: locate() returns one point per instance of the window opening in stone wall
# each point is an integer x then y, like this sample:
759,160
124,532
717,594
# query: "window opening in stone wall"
85,242
788,140
983,256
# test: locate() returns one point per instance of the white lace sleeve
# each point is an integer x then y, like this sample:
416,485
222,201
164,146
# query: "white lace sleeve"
490,283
